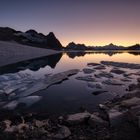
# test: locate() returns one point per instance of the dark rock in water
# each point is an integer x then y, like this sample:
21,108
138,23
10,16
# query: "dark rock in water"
121,64
78,118
93,64
95,85
104,74
86,78
126,80
134,115
138,80
88,71
101,67
112,82
137,73
133,87
131,102
97,92
117,71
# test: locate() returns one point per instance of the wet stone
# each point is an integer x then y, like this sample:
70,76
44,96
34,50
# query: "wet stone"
112,82
104,74
63,133
78,118
88,71
88,78
117,71
96,121
101,67
97,92
95,85
131,102
116,117
93,64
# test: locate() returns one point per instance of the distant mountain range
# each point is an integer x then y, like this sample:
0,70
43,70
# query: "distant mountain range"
30,37
73,46
33,38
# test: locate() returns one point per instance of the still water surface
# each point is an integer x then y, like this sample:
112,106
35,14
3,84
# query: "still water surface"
70,95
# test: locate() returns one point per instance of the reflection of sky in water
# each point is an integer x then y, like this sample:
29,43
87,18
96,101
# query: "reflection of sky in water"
71,94
80,62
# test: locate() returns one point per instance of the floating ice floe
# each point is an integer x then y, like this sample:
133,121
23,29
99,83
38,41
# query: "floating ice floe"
24,85
30,100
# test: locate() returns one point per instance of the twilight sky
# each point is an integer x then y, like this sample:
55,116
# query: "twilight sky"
92,22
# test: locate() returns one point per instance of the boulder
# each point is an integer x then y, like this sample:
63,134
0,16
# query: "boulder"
96,121
115,117
41,123
131,102
63,133
78,118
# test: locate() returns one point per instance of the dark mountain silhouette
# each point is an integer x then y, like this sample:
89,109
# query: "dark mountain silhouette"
111,46
30,37
73,46
134,47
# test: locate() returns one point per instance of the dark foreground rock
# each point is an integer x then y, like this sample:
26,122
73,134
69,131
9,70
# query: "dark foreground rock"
115,120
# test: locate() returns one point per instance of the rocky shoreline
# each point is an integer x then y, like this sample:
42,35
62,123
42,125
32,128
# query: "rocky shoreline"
116,119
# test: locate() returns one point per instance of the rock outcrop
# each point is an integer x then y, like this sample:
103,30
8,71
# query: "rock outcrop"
30,37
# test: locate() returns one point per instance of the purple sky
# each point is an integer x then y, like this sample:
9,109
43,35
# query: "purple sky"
93,22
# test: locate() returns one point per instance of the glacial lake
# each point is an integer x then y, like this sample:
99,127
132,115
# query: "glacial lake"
70,95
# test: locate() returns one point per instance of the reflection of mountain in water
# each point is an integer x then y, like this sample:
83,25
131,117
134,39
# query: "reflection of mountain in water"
34,64
110,53
83,53
76,54
134,53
